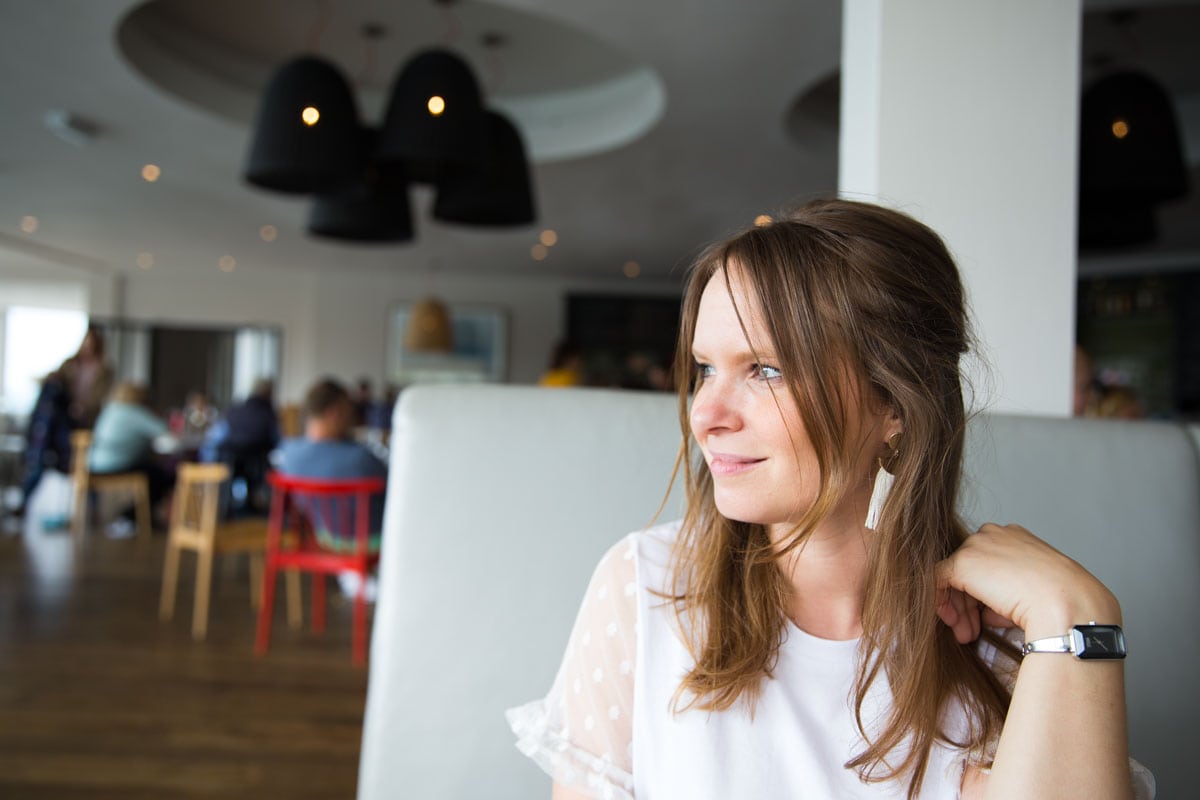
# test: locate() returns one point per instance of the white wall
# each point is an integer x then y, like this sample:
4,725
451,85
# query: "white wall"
965,116
334,321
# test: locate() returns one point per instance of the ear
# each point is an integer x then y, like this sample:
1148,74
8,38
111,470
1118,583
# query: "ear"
892,424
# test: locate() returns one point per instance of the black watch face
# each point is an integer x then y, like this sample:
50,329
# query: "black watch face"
1101,641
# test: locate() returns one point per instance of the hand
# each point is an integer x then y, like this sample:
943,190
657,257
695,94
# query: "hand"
1003,576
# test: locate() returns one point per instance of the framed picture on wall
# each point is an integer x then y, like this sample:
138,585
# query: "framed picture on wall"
478,347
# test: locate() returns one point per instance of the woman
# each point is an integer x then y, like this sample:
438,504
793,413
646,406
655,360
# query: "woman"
89,378
816,626
123,441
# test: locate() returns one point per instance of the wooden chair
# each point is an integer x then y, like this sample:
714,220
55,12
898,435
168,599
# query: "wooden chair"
86,482
194,526
310,508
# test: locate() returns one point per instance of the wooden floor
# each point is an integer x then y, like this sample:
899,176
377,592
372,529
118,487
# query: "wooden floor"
98,699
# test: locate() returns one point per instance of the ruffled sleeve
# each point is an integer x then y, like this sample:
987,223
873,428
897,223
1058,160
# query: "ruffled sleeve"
581,733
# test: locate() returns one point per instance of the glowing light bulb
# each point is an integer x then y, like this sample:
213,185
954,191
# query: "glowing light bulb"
151,173
436,105
548,237
632,269
310,115
1120,128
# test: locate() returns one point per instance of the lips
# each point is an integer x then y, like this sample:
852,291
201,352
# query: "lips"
722,465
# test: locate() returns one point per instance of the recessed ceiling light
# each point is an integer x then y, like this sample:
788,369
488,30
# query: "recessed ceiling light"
151,173
632,269
145,260
227,263
539,252
310,115
268,233
762,219
29,223
436,105
548,238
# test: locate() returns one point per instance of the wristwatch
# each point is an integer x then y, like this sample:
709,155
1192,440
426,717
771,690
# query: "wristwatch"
1082,641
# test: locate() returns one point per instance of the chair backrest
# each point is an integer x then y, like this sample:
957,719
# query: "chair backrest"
81,443
502,500
196,502
337,511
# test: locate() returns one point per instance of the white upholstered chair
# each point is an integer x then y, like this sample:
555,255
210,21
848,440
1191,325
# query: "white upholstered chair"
502,499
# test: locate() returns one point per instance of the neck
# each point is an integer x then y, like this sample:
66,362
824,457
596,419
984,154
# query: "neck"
827,574
319,430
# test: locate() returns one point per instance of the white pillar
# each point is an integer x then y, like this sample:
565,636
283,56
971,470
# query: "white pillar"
965,115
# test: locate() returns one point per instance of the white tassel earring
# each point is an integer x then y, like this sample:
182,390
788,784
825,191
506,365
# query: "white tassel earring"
884,479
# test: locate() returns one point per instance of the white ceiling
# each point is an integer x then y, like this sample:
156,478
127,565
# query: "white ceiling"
719,152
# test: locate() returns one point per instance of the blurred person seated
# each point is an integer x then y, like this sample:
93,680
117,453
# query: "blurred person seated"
243,441
198,414
328,452
1086,386
379,416
566,367
1119,402
364,401
123,440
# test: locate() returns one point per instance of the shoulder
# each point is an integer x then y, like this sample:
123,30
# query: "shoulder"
638,560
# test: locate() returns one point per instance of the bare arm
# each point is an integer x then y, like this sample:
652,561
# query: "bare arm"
1065,734
563,793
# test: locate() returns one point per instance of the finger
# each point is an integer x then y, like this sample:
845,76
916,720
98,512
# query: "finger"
962,630
945,609
995,620
972,606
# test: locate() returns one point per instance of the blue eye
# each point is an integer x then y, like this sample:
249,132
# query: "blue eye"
767,373
703,370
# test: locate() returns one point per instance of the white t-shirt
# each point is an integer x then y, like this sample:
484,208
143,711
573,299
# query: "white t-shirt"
606,728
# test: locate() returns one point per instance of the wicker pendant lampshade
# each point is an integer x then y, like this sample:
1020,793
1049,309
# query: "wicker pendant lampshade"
306,138
500,193
429,329
434,126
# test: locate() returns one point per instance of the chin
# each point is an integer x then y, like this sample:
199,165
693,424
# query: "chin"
742,511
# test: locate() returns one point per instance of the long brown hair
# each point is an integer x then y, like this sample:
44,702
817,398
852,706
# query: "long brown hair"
844,287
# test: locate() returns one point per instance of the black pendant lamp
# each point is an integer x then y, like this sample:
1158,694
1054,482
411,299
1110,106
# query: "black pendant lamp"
1130,159
434,126
1130,149
372,208
306,136
500,193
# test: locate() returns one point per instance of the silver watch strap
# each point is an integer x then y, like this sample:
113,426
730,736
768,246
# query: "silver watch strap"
1051,644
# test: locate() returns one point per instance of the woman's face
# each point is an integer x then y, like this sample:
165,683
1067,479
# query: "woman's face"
743,416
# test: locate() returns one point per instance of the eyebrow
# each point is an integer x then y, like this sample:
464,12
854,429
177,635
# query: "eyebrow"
747,354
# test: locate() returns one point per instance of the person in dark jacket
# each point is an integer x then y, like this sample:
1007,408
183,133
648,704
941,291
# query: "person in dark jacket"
250,431
48,437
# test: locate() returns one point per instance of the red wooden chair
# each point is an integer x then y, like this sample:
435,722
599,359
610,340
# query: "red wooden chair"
331,525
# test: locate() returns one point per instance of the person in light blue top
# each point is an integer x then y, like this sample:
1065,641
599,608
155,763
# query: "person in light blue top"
328,452
123,441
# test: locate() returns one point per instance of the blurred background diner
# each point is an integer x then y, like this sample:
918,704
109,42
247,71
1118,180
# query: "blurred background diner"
158,234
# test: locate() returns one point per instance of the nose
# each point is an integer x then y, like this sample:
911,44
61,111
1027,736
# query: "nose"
715,408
